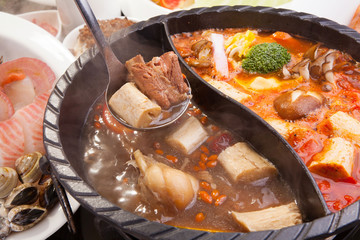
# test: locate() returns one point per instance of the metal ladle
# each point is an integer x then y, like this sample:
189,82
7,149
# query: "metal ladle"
116,69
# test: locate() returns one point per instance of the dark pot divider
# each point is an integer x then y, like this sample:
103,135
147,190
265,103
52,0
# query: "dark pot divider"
84,81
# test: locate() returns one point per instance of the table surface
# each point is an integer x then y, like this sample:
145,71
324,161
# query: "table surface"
88,226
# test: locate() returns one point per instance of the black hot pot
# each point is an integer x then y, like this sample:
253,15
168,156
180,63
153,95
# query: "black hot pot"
85,80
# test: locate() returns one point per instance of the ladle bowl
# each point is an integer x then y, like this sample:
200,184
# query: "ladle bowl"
117,71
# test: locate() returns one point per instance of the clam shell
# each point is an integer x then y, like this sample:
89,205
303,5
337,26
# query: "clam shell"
26,193
8,181
28,168
25,216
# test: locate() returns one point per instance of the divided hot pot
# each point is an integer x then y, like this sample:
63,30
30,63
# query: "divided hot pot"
85,81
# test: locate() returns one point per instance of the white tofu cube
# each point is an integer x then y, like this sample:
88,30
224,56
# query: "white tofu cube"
335,161
242,163
229,90
189,136
343,125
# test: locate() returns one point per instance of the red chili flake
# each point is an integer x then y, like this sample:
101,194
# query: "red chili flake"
349,199
203,157
172,158
205,185
204,120
97,125
220,200
211,164
215,193
337,205
202,165
205,150
199,217
159,151
205,197
324,185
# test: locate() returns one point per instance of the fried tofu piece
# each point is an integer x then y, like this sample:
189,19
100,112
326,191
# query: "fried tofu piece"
269,218
229,90
189,136
133,106
343,125
284,128
335,161
242,163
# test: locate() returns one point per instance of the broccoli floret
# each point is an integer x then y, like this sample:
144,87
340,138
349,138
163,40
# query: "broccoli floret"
265,58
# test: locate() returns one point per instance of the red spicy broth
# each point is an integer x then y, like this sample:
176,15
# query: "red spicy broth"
343,95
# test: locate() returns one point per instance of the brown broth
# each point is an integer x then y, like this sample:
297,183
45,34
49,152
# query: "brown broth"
109,167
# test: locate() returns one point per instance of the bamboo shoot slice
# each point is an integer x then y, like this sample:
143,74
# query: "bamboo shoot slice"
133,106
269,218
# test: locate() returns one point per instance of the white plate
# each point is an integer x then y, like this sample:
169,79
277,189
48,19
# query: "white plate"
50,17
338,11
45,2
21,38
71,38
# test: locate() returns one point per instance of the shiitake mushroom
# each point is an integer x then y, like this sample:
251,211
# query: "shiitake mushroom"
297,104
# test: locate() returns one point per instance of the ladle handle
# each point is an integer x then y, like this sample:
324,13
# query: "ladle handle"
92,23
111,60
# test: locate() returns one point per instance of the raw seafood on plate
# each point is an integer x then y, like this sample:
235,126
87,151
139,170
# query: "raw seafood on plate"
25,193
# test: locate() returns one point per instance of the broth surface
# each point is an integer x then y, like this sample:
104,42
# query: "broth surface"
111,169
343,95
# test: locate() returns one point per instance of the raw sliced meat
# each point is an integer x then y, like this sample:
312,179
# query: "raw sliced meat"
11,142
31,119
6,107
39,72
20,93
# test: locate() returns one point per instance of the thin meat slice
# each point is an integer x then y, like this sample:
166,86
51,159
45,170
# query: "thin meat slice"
31,119
6,107
11,142
40,73
160,79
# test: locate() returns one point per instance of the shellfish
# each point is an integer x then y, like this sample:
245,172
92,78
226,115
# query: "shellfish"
25,216
28,167
25,195
8,181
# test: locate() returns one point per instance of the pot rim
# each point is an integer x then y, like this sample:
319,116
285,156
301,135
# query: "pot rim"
138,226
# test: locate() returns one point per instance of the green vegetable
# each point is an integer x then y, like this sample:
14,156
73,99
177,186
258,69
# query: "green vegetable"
265,58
